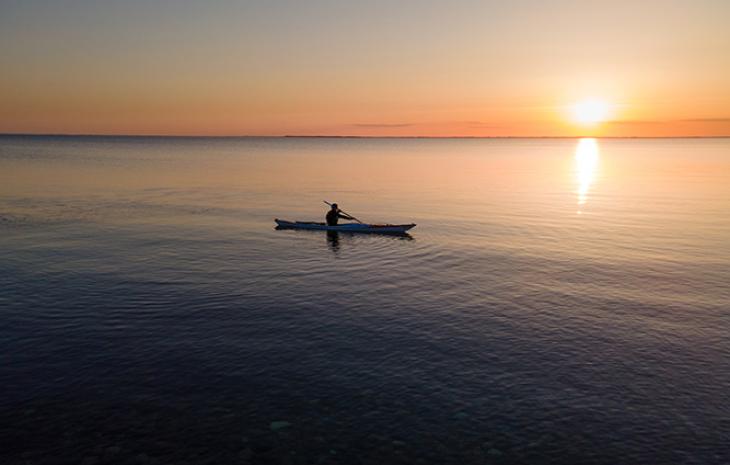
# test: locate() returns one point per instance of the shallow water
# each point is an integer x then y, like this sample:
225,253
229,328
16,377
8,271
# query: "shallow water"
560,301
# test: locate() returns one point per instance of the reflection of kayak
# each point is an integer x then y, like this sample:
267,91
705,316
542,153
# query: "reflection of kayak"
346,227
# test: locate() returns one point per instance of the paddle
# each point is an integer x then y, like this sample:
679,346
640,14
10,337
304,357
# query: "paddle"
343,211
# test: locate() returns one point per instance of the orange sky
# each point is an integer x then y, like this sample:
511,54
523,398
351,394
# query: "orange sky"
348,68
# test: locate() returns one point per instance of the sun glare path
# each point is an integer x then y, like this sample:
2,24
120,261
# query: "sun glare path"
586,165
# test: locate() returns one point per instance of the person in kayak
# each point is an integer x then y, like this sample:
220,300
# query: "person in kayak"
334,214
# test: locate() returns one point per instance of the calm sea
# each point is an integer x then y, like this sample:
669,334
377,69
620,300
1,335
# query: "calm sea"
560,301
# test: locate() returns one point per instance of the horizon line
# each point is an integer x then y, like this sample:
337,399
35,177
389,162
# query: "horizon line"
347,136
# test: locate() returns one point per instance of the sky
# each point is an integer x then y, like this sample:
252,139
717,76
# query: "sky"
369,68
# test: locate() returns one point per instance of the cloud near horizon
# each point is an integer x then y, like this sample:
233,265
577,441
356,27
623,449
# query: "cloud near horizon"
382,125
690,127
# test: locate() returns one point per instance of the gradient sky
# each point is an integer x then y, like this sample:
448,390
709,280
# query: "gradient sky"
477,68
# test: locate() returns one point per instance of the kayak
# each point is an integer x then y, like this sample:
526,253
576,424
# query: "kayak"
346,227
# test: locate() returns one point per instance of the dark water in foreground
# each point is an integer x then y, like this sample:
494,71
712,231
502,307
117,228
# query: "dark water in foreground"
560,301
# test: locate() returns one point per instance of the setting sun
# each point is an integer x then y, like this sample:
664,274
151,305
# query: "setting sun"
590,111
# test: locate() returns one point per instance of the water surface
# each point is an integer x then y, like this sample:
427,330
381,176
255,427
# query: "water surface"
560,301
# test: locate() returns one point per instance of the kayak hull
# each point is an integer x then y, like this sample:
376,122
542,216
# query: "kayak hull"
346,227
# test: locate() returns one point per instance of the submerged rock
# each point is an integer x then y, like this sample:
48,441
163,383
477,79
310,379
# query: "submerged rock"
92,460
494,452
142,459
279,425
245,455
112,451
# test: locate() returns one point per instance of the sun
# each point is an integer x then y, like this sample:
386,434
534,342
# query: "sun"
590,111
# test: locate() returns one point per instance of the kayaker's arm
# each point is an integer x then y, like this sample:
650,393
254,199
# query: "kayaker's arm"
345,216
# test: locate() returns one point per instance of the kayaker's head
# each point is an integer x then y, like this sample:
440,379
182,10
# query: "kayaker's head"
334,206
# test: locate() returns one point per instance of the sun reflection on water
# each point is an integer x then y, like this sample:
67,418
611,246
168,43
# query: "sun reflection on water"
586,167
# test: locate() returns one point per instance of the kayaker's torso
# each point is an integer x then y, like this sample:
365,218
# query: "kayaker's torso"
332,217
